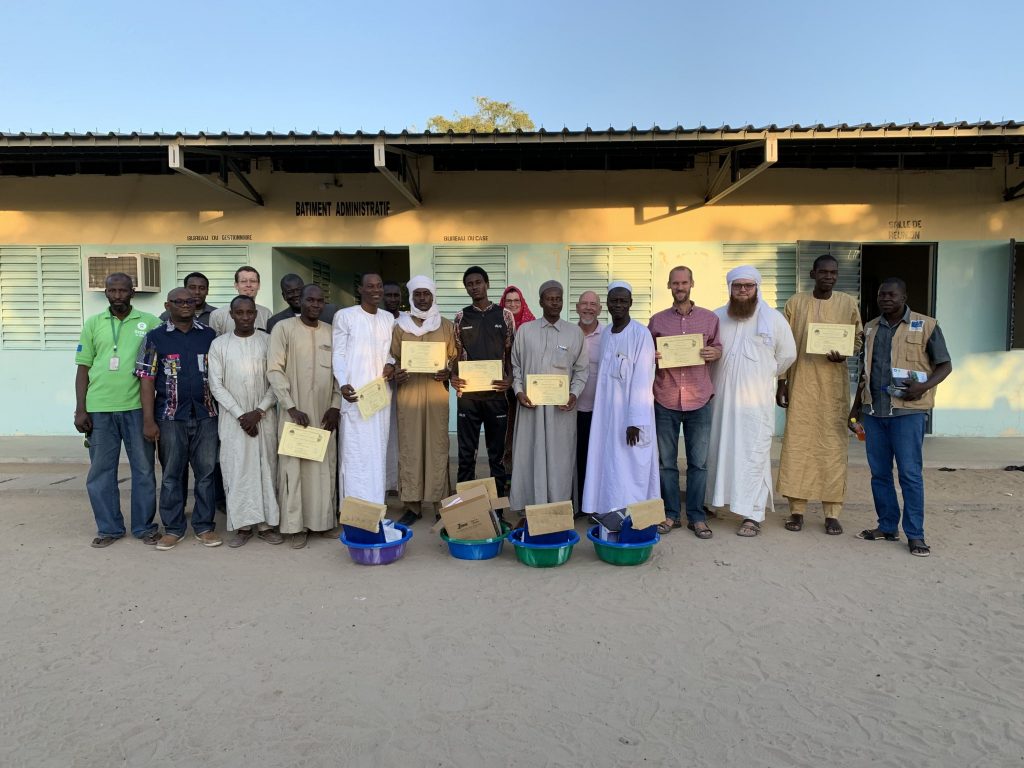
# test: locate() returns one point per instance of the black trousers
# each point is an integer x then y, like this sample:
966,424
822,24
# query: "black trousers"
583,419
493,415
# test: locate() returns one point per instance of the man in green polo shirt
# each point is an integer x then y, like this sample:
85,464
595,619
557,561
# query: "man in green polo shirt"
108,411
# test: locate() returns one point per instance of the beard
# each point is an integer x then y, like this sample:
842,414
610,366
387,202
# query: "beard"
742,309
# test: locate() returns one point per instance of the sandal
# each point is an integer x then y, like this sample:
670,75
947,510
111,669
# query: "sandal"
270,535
874,534
918,548
748,528
795,523
832,526
668,525
102,541
702,532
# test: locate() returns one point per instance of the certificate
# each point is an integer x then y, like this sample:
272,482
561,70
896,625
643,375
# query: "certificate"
361,514
680,351
373,397
822,338
423,356
548,389
304,442
480,375
644,514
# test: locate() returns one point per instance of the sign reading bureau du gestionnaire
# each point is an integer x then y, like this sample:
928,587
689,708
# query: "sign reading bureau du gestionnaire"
324,208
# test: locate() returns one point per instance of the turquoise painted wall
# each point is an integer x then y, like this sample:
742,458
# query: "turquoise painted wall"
984,396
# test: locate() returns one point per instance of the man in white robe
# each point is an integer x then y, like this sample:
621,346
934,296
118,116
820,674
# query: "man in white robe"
247,283
247,426
622,461
757,347
362,353
544,447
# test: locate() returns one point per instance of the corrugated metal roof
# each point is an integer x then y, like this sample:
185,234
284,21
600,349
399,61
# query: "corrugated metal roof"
725,133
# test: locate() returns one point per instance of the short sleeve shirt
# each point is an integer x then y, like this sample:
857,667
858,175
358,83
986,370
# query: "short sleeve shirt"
179,365
108,347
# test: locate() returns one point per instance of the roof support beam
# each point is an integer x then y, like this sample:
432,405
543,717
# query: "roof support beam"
1016,192
407,180
228,167
716,191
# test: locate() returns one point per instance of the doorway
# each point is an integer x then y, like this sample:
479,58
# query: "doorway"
914,264
338,270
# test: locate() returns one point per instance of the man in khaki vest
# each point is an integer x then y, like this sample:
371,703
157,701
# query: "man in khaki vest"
904,359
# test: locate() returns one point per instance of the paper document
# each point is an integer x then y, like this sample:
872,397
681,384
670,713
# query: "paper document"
423,356
823,338
680,351
548,389
304,442
480,375
373,397
549,518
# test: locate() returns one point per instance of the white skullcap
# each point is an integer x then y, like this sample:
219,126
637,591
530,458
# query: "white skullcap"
745,272
620,284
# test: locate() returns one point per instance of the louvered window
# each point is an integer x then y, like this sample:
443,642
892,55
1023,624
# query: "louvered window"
775,261
40,297
452,261
218,263
592,267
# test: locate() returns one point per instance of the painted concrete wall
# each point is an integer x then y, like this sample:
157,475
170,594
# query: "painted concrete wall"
537,215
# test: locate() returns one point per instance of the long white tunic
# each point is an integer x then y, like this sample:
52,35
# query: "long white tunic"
362,347
619,474
743,412
238,381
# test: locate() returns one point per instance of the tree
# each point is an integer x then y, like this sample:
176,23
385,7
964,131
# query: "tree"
490,116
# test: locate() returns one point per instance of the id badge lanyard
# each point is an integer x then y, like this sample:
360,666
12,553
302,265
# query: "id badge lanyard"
115,360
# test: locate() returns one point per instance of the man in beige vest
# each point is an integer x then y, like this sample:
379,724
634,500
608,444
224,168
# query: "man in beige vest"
904,359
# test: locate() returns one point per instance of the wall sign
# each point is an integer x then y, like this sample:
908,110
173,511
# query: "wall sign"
467,238
216,238
905,229
323,208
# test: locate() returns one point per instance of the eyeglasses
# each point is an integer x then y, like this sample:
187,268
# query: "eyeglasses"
183,302
744,286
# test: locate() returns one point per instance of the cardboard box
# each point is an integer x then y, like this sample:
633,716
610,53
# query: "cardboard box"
486,482
468,515
549,518
360,513
644,514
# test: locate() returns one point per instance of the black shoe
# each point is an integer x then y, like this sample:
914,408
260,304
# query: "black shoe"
409,518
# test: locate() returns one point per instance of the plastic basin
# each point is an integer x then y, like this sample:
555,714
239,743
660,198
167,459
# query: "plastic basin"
543,555
378,554
476,549
622,554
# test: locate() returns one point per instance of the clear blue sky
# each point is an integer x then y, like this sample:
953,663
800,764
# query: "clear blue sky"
346,66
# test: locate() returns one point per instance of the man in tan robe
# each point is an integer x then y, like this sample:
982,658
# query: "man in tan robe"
422,405
300,371
816,395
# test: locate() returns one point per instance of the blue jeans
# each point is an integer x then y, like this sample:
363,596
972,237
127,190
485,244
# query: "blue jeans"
900,438
109,430
184,443
696,426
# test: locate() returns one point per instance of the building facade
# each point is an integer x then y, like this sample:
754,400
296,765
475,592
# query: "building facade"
935,205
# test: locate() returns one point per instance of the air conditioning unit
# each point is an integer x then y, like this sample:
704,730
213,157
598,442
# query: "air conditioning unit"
144,269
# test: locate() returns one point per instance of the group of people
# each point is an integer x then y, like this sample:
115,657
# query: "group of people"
212,390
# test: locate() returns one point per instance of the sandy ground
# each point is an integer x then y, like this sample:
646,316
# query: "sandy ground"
785,650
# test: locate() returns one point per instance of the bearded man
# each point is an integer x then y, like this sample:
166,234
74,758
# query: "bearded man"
757,347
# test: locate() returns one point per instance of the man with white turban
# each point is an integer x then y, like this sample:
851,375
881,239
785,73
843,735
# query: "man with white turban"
757,347
622,461
422,404
544,447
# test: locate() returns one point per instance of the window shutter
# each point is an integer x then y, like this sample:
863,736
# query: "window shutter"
775,261
218,263
592,267
848,256
451,262
40,297
61,280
